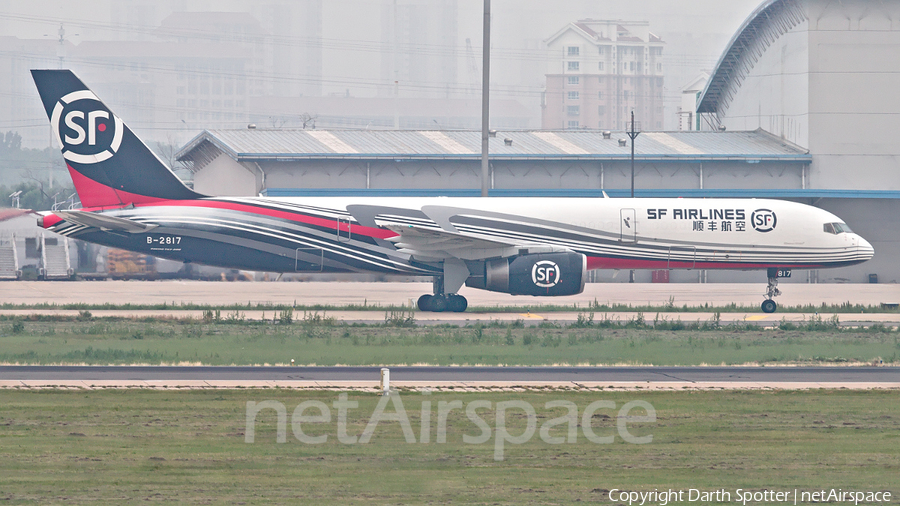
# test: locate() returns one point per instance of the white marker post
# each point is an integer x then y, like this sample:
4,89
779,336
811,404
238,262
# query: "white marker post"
385,381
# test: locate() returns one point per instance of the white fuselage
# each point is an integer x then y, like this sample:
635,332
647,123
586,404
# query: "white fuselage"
641,232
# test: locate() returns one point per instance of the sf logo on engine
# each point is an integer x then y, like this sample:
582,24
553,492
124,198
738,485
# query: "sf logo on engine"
87,131
763,220
545,274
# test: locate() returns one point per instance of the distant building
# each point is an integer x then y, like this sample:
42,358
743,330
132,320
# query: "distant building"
688,119
159,86
600,72
21,107
418,37
184,72
381,113
193,90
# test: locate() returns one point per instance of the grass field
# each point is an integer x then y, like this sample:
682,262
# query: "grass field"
317,340
130,447
597,307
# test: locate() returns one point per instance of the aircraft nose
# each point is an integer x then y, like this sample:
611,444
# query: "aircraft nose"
865,250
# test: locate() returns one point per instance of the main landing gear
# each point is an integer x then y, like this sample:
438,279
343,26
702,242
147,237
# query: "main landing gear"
445,297
772,291
439,303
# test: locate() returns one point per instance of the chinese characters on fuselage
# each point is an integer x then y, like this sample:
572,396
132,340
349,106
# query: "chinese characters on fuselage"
705,220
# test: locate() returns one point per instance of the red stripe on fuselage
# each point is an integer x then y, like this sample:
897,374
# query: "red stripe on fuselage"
378,233
627,263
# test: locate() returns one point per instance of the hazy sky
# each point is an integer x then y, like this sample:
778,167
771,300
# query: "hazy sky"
354,40
696,30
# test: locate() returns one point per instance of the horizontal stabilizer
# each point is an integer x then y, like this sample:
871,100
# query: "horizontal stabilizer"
104,222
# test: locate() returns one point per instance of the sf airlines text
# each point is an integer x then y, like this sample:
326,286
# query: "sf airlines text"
742,496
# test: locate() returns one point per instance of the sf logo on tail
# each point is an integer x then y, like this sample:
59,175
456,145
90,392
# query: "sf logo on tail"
87,131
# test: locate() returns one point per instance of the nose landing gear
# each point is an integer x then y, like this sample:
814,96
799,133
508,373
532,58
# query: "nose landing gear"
772,291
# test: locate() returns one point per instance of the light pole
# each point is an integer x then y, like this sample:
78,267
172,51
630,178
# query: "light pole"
633,134
485,98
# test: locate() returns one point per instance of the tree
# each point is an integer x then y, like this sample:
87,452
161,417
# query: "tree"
34,195
18,163
10,142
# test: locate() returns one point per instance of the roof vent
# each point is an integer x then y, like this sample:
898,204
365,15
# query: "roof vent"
251,126
507,141
623,142
492,133
607,134
721,128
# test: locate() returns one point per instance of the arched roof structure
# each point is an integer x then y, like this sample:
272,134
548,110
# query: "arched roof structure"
766,24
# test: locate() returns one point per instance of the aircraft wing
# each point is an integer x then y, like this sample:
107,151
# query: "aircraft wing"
429,244
104,222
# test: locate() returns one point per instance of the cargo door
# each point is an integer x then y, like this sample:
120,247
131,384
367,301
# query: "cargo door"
682,257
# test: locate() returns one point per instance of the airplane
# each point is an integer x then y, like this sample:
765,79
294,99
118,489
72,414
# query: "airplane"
520,246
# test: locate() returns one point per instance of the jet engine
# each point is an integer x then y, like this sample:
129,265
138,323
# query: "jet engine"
544,274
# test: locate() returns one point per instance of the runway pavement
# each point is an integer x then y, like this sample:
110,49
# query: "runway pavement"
176,293
465,378
345,293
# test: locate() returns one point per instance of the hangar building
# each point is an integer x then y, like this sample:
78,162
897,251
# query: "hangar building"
824,75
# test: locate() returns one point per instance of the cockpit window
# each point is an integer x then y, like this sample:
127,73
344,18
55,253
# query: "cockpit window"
842,228
837,228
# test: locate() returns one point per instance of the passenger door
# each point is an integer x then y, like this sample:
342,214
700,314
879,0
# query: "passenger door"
343,229
628,225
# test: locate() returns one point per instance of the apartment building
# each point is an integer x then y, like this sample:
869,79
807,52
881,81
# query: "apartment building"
601,71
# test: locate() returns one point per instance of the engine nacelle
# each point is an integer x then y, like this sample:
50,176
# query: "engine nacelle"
544,274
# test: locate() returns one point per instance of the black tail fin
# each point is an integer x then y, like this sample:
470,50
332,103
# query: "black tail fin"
109,165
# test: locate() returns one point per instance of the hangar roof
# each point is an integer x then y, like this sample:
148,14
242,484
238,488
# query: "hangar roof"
772,19
744,193
291,145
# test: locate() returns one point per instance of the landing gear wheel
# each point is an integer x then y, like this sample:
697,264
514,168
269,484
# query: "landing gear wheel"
424,302
457,303
441,303
769,306
438,303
